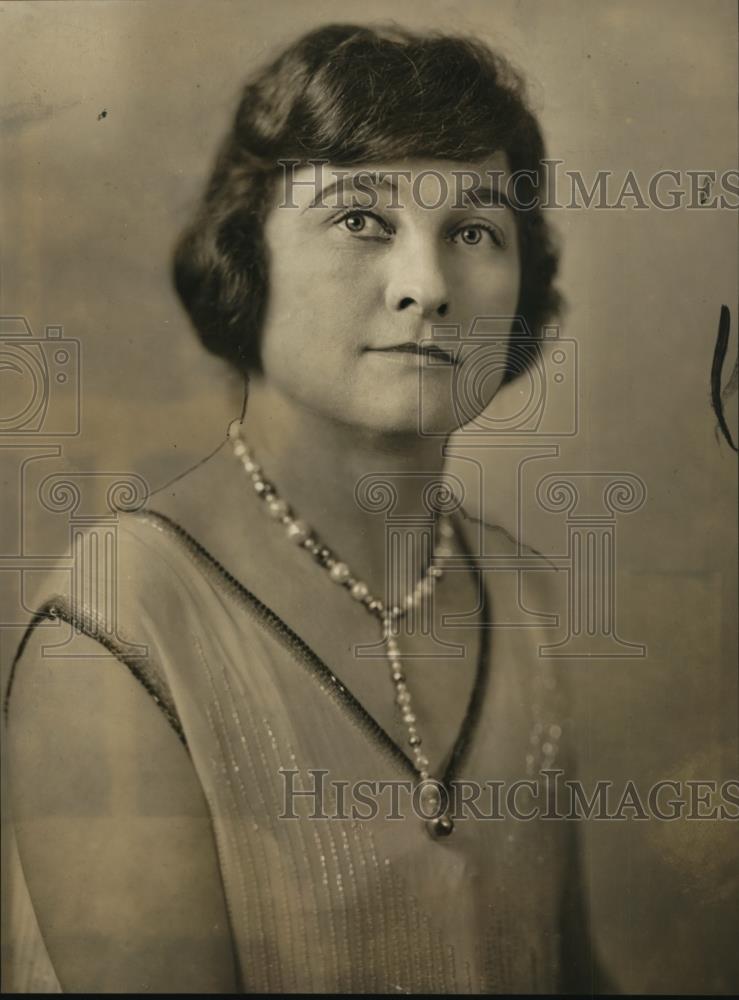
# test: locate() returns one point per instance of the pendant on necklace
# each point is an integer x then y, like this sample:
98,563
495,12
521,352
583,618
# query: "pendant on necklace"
437,820
440,826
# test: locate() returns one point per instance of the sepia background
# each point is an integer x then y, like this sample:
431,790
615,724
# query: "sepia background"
111,114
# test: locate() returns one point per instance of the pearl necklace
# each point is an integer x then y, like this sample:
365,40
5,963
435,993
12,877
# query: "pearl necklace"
440,823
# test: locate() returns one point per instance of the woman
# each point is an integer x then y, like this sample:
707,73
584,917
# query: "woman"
260,604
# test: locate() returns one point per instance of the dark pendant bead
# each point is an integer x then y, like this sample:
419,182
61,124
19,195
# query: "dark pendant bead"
440,826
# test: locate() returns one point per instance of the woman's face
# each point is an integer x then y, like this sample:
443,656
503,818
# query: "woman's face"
365,269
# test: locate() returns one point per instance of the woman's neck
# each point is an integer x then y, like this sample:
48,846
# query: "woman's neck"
348,485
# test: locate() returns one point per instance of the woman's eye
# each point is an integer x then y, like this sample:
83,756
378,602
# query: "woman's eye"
354,223
365,224
473,235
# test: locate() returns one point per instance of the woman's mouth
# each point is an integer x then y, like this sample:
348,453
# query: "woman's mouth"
431,354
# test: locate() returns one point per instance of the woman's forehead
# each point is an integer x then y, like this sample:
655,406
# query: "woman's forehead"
425,183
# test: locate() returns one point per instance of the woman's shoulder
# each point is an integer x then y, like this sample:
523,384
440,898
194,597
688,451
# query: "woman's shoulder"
502,554
124,592
527,611
115,578
146,558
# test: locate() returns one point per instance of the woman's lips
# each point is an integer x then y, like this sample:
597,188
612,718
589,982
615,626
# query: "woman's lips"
417,352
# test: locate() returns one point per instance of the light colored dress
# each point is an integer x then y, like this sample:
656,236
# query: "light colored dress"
349,904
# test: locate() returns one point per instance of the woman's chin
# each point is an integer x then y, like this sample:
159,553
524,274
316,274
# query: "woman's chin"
434,421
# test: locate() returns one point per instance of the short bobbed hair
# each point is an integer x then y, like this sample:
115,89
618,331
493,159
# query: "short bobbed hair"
345,95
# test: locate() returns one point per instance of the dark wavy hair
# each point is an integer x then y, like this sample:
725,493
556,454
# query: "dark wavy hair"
346,95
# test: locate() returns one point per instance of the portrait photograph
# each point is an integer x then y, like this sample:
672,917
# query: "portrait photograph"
368,547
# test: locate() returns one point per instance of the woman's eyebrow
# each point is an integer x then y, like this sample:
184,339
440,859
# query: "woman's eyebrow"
363,182
370,183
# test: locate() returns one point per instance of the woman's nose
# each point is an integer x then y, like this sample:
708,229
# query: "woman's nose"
418,284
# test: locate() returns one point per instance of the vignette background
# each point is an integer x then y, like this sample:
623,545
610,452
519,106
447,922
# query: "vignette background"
111,115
